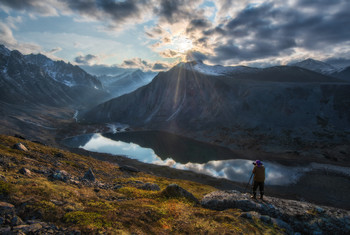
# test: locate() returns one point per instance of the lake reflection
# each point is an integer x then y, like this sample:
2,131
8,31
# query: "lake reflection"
235,169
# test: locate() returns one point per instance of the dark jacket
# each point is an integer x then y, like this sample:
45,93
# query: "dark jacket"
259,173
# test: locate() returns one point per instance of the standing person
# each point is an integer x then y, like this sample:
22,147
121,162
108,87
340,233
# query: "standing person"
259,178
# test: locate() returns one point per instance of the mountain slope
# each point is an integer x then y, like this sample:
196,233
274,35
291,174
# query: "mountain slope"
273,100
46,190
62,72
343,74
126,82
35,80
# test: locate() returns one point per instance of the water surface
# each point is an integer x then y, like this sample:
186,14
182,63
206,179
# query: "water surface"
238,170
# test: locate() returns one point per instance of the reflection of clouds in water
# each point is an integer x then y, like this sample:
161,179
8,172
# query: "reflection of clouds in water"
236,170
99,143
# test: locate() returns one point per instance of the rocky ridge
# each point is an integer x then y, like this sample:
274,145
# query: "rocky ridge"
293,216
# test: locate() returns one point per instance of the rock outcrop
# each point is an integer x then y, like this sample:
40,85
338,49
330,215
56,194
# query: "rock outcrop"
293,216
89,175
20,146
10,223
24,171
175,191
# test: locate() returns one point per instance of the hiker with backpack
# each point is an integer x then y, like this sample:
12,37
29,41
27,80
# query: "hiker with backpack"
259,178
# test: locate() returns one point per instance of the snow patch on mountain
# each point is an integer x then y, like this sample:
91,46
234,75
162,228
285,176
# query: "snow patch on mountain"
216,70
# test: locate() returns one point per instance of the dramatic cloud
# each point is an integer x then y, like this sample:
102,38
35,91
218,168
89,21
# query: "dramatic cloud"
173,11
7,39
227,32
160,67
195,55
138,63
116,11
55,50
85,60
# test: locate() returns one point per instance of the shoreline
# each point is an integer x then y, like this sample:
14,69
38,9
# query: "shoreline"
314,186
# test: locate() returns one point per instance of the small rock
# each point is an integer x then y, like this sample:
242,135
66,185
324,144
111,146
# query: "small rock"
16,221
266,219
89,175
246,215
150,187
20,146
59,155
34,221
319,209
28,228
284,225
175,191
57,203
117,186
24,171
129,168
3,178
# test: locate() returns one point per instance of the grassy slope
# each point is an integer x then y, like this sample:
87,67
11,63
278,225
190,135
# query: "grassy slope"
124,210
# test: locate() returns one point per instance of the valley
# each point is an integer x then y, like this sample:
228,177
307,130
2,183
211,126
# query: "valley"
202,123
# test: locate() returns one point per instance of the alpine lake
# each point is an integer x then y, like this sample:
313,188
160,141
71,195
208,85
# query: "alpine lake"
162,148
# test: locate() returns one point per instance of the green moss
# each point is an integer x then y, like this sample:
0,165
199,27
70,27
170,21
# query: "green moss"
91,219
5,188
138,193
48,210
71,163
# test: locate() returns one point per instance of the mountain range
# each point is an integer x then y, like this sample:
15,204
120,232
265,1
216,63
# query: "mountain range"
307,100
324,68
281,101
37,80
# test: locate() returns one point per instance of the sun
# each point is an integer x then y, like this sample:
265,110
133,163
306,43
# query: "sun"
182,43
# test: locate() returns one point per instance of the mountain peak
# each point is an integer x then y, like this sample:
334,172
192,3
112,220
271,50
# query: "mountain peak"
316,66
4,50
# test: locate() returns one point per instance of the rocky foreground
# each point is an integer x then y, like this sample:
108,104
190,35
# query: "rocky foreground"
44,190
293,216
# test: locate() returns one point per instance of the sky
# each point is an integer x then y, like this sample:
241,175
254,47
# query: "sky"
157,34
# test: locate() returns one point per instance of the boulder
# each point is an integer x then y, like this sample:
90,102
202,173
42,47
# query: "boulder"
129,168
61,175
89,175
222,200
7,209
175,191
24,171
28,228
150,187
20,146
